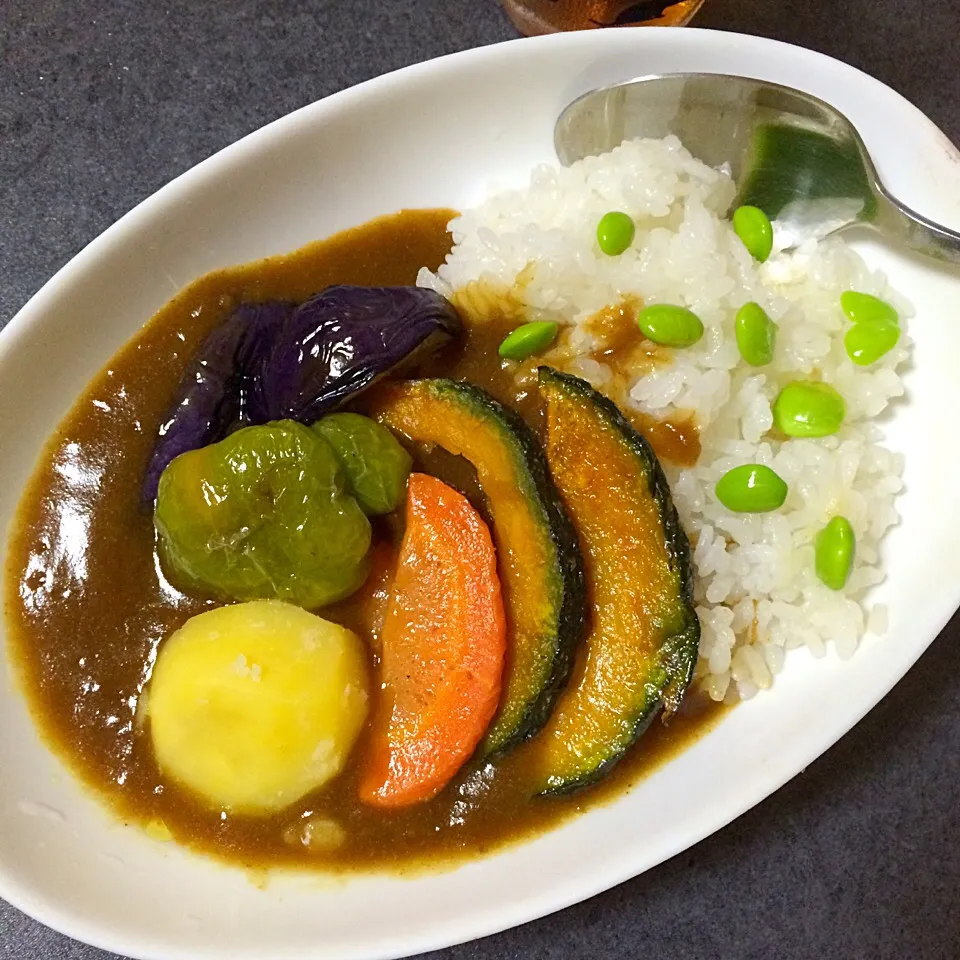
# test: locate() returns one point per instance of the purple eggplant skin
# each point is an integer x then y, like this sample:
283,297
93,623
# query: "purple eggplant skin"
279,361
340,342
215,393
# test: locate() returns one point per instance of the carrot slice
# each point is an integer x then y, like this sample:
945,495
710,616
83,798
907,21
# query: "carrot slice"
444,638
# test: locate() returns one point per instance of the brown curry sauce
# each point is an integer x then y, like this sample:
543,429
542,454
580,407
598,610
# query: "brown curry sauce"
87,606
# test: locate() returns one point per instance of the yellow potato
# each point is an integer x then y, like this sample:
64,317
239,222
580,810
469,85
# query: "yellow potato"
255,704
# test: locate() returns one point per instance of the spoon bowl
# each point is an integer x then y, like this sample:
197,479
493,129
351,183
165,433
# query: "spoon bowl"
796,157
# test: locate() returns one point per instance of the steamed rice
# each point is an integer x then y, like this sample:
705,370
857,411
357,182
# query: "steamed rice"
756,591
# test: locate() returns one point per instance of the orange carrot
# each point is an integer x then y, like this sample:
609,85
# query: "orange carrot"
443,649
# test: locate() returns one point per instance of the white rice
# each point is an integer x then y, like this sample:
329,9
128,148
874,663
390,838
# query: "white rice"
757,594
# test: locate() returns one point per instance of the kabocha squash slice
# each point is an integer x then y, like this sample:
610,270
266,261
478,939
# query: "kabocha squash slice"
541,570
641,644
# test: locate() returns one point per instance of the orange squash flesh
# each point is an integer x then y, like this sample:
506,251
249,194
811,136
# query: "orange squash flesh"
641,644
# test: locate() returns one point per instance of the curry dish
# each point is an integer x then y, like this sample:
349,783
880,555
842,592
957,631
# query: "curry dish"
88,604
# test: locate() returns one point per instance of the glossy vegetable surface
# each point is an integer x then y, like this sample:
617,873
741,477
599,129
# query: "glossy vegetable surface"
866,308
214,393
342,340
277,361
376,467
539,558
807,408
615,232
756,334
262,514
868,341
253,705
443,649
753,227
834,549
669,325
751,488
641,646
528,339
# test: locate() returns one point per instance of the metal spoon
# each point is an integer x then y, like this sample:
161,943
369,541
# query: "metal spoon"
792,155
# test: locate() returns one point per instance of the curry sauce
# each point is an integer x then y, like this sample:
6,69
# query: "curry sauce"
87,604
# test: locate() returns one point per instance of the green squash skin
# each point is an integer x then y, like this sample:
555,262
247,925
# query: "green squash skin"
531,464
671,671
566,583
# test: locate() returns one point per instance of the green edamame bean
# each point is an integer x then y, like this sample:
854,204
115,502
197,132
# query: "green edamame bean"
865,308
672,326
834,548
615,232
751,488
805,408
756,334
753,227
527,340
868,342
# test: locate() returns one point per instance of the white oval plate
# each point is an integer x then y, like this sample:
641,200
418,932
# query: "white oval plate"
434,135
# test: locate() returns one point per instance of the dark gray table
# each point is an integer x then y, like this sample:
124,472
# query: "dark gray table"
104,101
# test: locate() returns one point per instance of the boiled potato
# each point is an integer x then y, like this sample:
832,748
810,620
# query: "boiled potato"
253,705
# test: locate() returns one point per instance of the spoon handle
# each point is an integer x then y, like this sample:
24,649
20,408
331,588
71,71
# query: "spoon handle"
898,221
